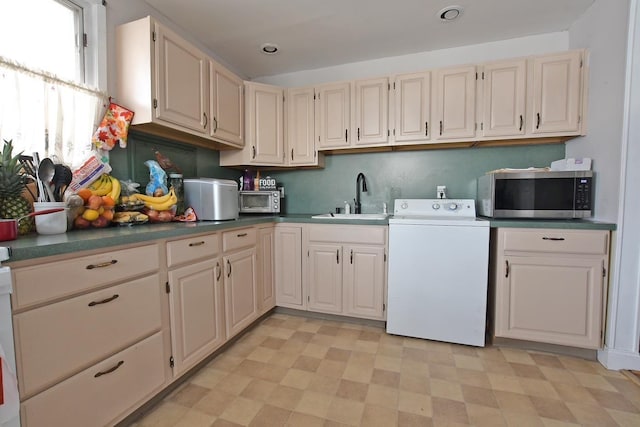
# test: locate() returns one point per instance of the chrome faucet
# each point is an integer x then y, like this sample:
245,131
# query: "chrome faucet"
357,205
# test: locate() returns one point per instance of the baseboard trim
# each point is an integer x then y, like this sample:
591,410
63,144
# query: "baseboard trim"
615,360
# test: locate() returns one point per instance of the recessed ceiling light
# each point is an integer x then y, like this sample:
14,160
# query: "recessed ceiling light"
269,48
450,13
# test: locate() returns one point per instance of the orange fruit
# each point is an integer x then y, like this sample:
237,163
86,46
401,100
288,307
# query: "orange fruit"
85,193
108,214
94,202
108,201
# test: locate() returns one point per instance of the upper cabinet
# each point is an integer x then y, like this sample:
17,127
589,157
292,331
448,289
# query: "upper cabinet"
455,101
556,102
264,113
174,89
504,87
412,108
372,112
226,105
334,115
300,135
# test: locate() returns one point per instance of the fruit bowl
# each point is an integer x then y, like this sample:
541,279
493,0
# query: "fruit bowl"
160,216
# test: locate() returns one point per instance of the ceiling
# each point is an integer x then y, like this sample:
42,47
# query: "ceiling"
313,34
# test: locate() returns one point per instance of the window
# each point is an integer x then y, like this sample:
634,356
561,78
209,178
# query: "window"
52,65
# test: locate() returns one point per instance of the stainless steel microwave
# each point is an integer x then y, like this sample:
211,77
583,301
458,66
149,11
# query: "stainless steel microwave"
260,201
528,194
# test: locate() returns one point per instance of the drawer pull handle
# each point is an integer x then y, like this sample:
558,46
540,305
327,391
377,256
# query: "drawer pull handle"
241,235
200,243
219,270
555,239
229,272
108,371
104,301
101,265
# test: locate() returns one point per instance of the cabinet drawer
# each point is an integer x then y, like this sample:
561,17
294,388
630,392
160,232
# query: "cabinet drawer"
45,282
369,234
192,249
556,241
100,395
239,238
57,340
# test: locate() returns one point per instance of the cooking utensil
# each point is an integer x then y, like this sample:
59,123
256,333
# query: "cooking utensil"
61,179
46,170
9,227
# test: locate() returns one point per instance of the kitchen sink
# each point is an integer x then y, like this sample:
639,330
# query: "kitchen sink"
375,216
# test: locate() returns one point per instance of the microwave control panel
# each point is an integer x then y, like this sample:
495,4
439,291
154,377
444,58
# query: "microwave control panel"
583,194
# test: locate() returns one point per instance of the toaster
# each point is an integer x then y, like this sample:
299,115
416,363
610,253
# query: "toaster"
212,199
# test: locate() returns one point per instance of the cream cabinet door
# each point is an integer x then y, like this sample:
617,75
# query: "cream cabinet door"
555,93
505,89
288,266
364,280
412,104
181,81
334,115
266,291
241,301
455,102
197,312
325,278
372,112
226,105
265,108
301,149
551,299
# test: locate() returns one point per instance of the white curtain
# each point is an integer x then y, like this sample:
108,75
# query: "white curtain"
42,113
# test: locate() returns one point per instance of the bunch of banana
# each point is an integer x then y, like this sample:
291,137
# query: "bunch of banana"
106,185
161,203
130,217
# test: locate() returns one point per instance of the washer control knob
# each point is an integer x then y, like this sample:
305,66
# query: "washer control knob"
404,205
436,206
453,207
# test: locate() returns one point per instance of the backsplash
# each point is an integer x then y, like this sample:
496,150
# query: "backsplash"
403,174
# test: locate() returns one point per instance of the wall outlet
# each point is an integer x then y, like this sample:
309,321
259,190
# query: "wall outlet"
441,191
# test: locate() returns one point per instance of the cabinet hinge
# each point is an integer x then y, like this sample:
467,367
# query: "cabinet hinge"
388,133
581,63
394,85
308,254
481,125
167,287
85,42
282,97
384,307
476,76
385,256
308,298
394,131
153,35
171,362
155,103
388,86
483,75
604,272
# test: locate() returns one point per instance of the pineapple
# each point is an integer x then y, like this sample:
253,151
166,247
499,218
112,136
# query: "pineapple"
12,184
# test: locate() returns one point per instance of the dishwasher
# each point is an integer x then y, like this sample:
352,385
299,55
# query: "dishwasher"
438,271
9,399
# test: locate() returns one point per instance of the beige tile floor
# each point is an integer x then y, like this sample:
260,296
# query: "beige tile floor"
296,371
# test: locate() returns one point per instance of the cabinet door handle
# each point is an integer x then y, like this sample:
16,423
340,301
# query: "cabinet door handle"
337,256
200,243
506,269
253,151
440,127
521,122
241,235
229,269
556,239
351,257
101,265
215,124
537,120
426,128
108,371
346,135
219,271
104,301
292,154
358,134
206,121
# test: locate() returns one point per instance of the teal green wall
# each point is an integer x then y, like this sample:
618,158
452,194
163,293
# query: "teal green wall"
406,174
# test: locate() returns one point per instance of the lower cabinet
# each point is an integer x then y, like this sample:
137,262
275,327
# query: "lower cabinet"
240,283
346,270
266,267
288,266
550,285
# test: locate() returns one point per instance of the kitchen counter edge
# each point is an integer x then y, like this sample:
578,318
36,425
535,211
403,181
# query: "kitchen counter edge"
39,246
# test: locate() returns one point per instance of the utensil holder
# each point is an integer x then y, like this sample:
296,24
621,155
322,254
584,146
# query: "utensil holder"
53,223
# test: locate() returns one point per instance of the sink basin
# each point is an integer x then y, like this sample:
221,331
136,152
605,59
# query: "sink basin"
352,216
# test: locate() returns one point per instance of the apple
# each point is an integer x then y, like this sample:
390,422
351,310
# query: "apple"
80,222
100,222
165,216
152,214
94,202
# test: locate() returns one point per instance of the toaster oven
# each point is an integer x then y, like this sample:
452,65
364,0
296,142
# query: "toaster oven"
260,201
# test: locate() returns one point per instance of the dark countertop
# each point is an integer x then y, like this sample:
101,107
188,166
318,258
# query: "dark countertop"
37,246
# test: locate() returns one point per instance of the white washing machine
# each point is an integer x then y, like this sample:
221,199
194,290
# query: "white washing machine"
438,271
